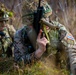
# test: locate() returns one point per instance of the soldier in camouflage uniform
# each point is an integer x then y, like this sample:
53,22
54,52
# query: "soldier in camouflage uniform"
27,53
6,34
67,40
25,44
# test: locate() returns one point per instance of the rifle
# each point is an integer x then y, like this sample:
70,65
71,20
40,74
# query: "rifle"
37,17
37,25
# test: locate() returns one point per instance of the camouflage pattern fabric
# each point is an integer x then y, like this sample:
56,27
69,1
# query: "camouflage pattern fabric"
5,42
22,51
69,43
68,39
21,48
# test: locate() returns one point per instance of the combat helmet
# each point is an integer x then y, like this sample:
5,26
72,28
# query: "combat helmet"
47,9
3,14
30,6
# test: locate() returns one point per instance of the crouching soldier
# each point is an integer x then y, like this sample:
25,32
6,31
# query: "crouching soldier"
6,34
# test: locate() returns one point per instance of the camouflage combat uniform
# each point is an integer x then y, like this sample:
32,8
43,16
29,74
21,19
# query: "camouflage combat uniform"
69,42
23,49
25,45
6,41
6,33
66,40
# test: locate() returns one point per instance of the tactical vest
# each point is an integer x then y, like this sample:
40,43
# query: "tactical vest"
5,43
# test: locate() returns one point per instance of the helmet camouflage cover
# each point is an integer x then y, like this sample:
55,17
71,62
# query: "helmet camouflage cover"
47,9
3,14
30,6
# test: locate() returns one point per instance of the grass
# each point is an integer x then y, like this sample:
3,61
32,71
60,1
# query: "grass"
42,67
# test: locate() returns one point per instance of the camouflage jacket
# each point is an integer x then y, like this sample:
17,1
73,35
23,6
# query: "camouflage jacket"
64,35
6,41
22,49
67,39
25,52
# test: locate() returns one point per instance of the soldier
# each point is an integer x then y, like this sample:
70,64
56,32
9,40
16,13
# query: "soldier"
28,52
6,34
67,40
25,44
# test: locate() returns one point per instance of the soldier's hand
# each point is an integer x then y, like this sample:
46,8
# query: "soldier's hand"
41,41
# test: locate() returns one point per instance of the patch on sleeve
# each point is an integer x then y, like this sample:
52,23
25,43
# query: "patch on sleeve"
69,39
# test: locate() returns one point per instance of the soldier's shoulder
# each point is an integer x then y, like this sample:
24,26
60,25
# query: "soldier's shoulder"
21,31
26,29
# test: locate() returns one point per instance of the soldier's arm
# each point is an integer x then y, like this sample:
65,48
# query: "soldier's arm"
21,51
11,30
67,39
51,24
72,57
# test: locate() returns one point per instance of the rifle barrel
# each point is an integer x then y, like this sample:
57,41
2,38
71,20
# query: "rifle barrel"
39,3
